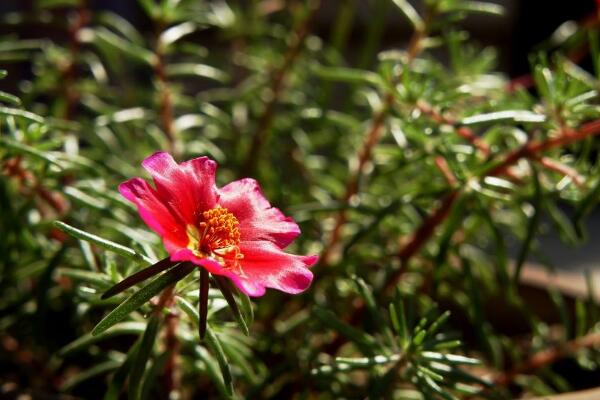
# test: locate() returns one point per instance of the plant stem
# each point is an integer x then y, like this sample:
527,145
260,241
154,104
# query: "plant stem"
372,136
278,77
165,100
547,357
442,165
563,169
425,231
203,303
170,374
530,150
82,17
462,131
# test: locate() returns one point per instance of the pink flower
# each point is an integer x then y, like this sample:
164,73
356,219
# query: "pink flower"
231,231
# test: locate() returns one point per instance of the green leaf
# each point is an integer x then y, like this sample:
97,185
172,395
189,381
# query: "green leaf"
140,297
398,318
31,151
213,343
152,373
195,69
435,326
133,51
212,369
515,116
225,288
43,284
368,361
411,14
532,226
95,278
104,243
591,296
118,380
189,309
125,328
98,369
174,33
141,358
124,115
48,4
581,318
203,302
348,75
371,225
585,206
448,358
563,311
366,342
120,25
480,7
247,308
432,374
9,98
21,45
150,7
595,50
15,112
562,223
189,121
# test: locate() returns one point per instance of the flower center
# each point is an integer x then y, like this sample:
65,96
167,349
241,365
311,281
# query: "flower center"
216,236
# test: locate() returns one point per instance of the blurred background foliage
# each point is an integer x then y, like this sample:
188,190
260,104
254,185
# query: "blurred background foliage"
421,173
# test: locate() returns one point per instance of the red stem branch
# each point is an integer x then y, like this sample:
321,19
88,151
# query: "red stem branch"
530,150
547,357
462,131
170,374
372,137
563,169
427,228
165,100
278,77
442,165
71,94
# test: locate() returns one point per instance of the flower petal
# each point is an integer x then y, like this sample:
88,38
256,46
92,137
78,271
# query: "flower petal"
267,266
210,265
154,213
187,189
214,267
258,220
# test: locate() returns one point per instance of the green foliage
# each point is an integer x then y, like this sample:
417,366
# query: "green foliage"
423,185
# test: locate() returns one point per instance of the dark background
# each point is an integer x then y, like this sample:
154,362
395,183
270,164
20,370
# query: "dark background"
524,26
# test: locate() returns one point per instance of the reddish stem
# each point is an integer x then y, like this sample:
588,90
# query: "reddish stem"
547,357
372,137
170,374
561,169
462,131
532,148
444,168
423,233
278,77
165,102
14,168
82,18
529,150
438,216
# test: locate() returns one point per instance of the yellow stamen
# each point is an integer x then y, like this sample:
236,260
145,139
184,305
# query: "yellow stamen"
217,236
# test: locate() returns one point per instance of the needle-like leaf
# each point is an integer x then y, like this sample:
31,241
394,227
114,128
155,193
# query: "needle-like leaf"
139,277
